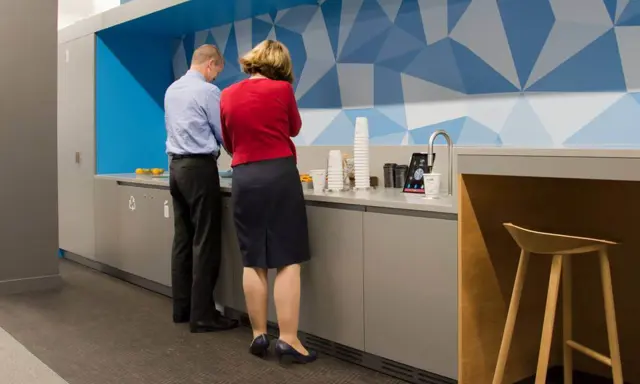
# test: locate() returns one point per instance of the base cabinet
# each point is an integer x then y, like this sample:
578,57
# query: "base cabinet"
229,287
106,199
332,295
332,282
410,290
145,233
380,281
133,233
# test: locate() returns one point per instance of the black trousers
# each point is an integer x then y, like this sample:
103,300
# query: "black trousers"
197,208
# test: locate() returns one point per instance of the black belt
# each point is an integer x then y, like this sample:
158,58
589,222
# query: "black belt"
195,156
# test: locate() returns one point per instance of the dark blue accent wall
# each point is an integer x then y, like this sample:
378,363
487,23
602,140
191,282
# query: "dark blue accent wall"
132,74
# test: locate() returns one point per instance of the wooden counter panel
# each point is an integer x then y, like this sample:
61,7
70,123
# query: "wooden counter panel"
488,259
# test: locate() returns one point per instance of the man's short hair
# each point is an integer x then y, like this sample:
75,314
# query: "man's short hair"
205,53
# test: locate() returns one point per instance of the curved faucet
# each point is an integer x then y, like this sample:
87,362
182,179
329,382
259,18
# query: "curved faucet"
430,156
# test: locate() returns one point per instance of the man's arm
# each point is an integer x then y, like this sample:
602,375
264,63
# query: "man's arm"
212,109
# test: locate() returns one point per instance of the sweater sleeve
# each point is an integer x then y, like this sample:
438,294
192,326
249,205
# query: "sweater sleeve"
295,122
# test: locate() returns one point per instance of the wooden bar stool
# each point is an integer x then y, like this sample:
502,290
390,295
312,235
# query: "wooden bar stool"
561,247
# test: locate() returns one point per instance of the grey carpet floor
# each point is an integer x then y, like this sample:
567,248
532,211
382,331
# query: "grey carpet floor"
99,330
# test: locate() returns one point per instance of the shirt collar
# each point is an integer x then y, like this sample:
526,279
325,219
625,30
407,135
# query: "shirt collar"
195,74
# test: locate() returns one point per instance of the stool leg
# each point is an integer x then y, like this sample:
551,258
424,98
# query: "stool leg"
549,318
567,319
507,335
610,314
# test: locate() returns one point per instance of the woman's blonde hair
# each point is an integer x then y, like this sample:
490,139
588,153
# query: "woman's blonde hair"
270,59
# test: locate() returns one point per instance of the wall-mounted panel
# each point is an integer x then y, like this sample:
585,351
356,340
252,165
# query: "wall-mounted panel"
132,75
561,77
76,145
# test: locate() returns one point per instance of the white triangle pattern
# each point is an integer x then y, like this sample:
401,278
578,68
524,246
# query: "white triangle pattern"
489,43
272,34
564,114
320,57
356,85
201,38
347,17
523,128
628,38
266,18
581,11
622,4
492,112
391,8
565,40
405,140
434,19
315,121
281,14
437,103
221,35
180,61
244,36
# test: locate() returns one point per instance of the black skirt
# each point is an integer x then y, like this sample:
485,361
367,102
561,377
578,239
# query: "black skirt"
270,214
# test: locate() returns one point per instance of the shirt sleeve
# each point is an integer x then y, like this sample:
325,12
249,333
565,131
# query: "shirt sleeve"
295,122
212,109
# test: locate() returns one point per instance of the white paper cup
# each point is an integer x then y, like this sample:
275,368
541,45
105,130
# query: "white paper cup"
432,184
319,177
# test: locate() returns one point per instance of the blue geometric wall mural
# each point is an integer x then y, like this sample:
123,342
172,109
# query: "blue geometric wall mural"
537,73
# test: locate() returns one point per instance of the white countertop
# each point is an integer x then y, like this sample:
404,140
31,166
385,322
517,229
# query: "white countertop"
608,152
379,197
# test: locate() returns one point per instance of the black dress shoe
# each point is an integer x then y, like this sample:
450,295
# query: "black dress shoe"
260,346
288,354
180,319
219,324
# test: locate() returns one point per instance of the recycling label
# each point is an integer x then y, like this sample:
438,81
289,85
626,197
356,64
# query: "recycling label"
132,203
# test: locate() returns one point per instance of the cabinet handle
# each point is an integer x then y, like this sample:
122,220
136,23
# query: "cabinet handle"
77,157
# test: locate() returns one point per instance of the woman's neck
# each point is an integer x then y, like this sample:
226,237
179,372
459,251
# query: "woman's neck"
257,76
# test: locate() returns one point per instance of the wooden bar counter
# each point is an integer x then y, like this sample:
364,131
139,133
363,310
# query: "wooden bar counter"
576,192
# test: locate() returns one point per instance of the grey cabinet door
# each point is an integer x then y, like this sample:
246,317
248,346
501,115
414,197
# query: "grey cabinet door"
332,305
107,220
158,235
332,294
410,282
133,231
229,287
76,146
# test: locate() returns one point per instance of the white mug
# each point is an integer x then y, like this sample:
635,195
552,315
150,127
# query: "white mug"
319,177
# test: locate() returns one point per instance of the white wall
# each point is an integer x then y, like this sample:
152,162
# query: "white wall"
71,11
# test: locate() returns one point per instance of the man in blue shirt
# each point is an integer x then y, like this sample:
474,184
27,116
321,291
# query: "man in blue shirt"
194,141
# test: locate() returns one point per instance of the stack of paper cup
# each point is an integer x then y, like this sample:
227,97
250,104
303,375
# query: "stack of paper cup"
361,153
335,171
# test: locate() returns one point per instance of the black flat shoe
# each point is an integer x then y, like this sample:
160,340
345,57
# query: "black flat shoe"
288,355
259,346
219,324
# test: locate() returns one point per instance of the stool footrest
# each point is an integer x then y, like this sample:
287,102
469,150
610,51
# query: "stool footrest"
589,352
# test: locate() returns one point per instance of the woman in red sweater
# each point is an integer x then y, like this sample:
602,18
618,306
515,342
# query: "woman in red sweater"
259,117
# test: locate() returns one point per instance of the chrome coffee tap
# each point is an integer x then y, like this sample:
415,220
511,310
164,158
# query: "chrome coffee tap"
430,159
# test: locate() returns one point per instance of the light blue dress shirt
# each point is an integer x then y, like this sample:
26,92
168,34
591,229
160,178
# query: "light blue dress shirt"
192,116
